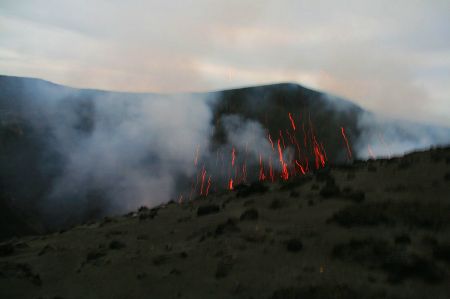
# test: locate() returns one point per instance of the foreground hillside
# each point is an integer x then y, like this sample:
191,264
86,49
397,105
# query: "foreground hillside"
376,229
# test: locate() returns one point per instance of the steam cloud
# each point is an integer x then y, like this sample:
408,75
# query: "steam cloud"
388,137
118,152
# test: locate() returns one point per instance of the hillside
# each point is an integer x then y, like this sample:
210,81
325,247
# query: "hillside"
45,126
375,229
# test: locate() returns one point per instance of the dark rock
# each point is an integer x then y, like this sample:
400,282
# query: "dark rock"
29,274
447,176
330,190
275,204
323,175
248,202
429,240
160,259
294,245
227,226
442,252
184,219
47,248
294,193
148,214
250,214
94,255
208,209
404,164
115,245
294,183
318,292
224,267
142,237
362,215
351,176
107,220
253,188
401,267
6,249
175,271
353,195
395,262
143,209
402,239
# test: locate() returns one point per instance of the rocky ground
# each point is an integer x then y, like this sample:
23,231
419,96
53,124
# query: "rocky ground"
376,229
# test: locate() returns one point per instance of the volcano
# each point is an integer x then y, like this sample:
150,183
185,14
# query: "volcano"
73,155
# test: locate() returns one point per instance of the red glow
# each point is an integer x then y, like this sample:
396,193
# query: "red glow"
233,157
282,139
349,151
296,157
284,171
208,186
271,142
301,167
262,176
292,121
203,180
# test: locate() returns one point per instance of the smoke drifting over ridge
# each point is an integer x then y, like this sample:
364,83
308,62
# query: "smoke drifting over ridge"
116,152
103,153
386,137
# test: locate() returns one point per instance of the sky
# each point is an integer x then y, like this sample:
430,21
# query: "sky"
391,57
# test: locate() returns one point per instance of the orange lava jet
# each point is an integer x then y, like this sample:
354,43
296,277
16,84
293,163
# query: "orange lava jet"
230,184
233,157
284,168
292,121
262,176
349,151
297,157
208,186
271,142
203,180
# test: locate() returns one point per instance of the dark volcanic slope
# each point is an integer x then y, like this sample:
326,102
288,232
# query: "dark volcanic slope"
270,105
41,122
376,229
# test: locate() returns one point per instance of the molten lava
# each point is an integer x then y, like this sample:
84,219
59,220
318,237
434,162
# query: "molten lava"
297,157
349,151
292,121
